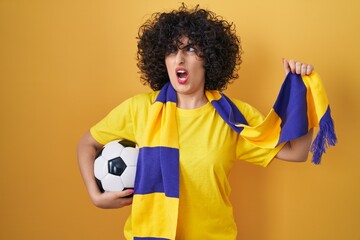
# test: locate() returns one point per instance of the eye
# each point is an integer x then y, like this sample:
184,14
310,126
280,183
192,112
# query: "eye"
190,48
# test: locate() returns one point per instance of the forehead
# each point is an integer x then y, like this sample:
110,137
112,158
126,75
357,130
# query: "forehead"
184,40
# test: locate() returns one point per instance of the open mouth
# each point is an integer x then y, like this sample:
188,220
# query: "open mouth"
182,75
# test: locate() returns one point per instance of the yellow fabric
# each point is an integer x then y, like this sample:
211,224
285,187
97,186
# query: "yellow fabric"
208,150
316,99
160,115
266,134
161,227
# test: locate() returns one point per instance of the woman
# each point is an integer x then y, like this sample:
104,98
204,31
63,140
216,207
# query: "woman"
197,52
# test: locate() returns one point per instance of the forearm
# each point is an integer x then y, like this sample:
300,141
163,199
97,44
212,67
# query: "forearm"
87,150
296,150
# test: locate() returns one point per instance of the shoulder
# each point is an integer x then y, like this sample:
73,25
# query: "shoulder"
142,101
137,103
144,98
251,114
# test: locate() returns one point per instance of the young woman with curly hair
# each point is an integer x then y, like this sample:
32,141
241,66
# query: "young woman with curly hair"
194,52
213,39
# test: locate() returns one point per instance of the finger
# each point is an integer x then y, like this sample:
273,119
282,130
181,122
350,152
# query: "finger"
127,193
292,65
303,69
309,69
286,66
298,67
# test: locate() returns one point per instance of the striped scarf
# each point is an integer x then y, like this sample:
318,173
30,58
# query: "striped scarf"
301,105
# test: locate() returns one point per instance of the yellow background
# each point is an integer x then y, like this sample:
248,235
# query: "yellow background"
64,64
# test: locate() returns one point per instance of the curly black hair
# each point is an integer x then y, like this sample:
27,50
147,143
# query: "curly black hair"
215,37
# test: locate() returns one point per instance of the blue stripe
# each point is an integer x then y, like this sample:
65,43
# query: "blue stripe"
326,137
229,112
158,171
291,107
167,94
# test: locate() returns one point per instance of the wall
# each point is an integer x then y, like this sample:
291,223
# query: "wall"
65,64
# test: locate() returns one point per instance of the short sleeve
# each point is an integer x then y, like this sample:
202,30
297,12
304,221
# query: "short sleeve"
251,153
118,124
247,151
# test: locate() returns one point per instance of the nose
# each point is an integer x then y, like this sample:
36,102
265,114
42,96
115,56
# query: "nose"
180,58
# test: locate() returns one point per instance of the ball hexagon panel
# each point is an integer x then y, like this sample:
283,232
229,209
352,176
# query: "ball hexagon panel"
112,150
128,177
129,155
100,167
112,183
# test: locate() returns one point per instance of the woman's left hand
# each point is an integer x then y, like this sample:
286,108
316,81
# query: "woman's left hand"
297,67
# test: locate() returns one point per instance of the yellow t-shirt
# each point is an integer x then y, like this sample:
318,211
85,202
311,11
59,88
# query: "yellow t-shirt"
208,150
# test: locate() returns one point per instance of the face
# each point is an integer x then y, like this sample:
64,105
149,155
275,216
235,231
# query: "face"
186,69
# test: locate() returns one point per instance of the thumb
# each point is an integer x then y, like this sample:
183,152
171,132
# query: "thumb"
286,66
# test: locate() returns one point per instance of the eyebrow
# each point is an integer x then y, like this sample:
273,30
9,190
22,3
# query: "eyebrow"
188,45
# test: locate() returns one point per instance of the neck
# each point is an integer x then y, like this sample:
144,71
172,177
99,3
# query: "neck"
191,101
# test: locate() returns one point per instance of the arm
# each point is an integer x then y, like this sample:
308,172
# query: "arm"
87,149
296,150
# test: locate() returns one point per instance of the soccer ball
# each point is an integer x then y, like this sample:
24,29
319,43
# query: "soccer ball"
115,166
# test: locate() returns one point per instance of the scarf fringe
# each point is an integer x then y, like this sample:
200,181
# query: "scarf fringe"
326,137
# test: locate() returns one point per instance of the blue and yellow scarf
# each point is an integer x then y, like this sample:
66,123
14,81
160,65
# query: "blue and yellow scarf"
301,105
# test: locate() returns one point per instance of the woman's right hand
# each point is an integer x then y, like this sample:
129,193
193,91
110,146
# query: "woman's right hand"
112,199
